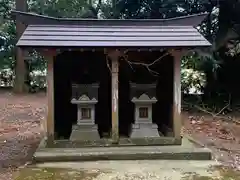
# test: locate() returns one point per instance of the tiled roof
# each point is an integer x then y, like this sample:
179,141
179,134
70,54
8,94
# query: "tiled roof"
111,36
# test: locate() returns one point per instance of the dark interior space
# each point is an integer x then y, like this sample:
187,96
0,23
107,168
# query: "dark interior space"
162,75
162,110
90,67
80,68
126,107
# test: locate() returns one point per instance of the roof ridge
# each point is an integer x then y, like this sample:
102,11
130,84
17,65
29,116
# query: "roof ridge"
32,18
15,12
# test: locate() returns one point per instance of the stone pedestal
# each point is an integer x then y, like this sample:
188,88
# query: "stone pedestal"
143,126
86,132
144,130
85,129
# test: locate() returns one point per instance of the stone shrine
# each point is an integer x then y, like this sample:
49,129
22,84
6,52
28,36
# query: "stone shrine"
143,97
86,97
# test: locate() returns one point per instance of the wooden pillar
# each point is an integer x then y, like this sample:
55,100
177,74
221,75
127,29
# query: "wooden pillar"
49,125
177,122
115,119
114,56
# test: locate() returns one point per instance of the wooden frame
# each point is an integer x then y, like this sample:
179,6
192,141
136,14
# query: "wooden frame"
114,55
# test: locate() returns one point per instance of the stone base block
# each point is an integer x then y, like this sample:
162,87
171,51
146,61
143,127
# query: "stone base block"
85,132
186,151
144,130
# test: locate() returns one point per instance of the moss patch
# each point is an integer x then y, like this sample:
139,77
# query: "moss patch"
55,174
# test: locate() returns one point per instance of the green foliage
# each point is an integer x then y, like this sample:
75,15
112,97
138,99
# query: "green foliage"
193,81
156,9
58,8
228,22
7,34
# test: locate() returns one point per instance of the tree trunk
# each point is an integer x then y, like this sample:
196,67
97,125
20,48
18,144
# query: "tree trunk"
90,2
20,69
224,23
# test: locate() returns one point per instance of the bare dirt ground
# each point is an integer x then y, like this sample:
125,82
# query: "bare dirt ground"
21,131
220,135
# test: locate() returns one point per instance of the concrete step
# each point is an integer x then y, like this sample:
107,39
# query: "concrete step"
122,153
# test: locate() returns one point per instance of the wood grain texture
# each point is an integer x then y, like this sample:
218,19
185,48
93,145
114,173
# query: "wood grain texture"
115,118
177,125
50,97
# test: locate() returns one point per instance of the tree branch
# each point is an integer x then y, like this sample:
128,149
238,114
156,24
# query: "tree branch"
147,66
208,112
124,55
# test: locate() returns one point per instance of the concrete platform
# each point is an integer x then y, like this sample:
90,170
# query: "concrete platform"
187,151
129,170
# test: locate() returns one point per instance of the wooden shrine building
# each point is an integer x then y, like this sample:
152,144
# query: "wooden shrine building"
112,81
